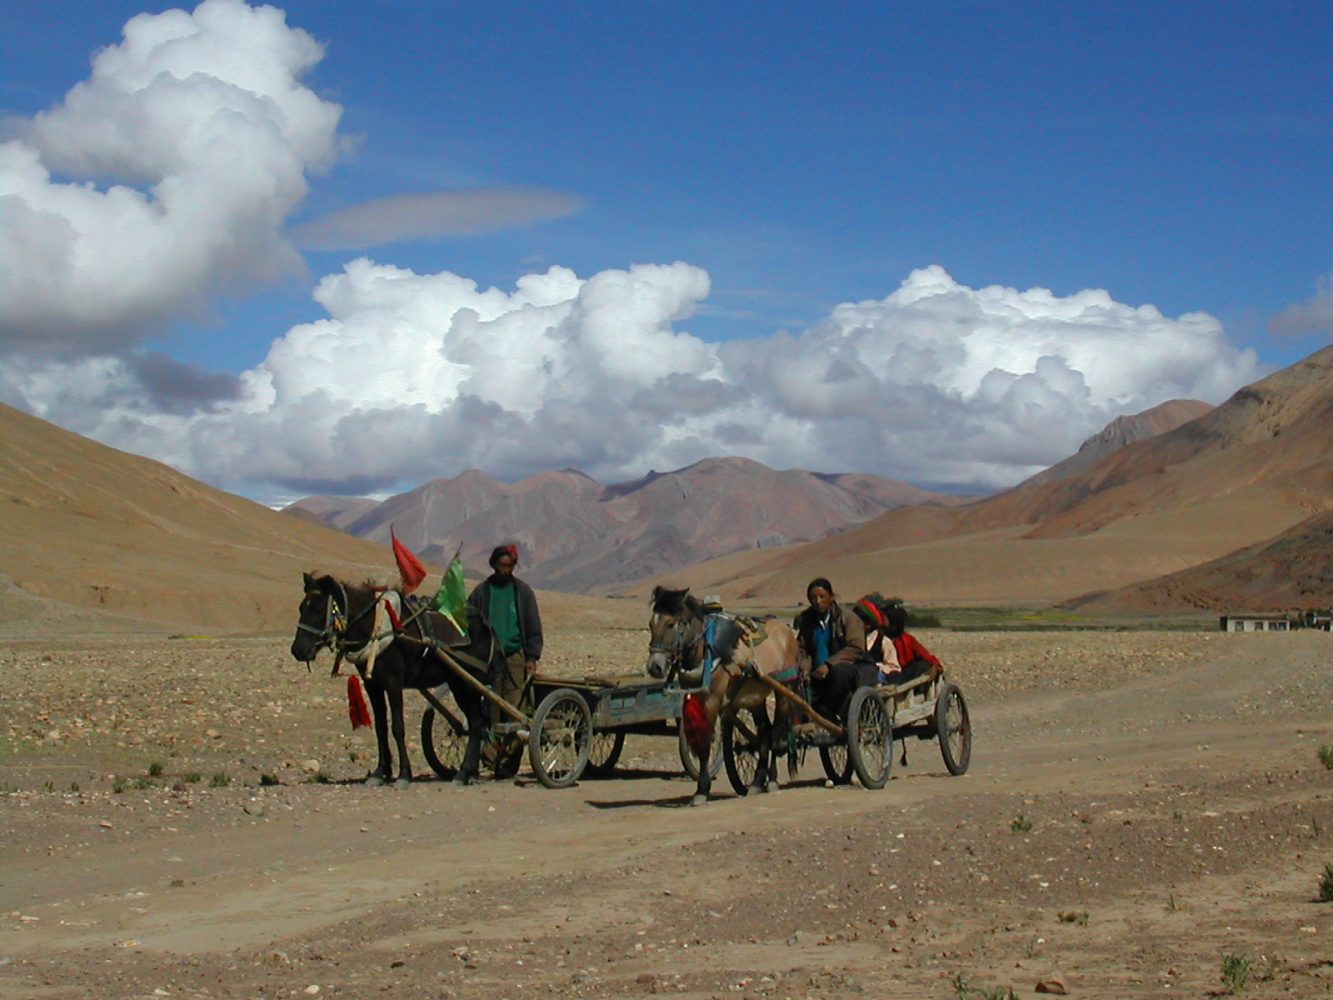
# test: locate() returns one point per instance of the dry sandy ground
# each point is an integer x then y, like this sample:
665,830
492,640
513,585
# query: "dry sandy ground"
1141,808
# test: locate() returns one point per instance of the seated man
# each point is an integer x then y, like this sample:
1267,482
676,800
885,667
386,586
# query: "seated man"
832,643
914,658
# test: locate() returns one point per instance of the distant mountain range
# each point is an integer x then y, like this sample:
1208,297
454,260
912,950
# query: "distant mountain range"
1229,510
575,534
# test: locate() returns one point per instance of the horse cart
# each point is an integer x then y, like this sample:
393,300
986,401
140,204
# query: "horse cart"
877,715
578,726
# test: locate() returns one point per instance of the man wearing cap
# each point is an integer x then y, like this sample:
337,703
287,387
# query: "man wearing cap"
510,606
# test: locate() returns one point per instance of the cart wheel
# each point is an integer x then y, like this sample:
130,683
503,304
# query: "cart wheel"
954,728
691,762
740,749
560,738
869,737
837,763
604,751
443,737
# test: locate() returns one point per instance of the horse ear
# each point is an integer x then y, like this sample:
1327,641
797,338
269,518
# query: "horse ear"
309,581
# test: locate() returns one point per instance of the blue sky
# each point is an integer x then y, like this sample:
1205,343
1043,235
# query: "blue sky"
803,157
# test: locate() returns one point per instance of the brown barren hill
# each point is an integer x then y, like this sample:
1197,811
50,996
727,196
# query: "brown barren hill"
95,528
1292,571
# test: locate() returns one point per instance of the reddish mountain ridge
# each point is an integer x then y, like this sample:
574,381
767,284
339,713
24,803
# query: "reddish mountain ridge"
1125,430
576,534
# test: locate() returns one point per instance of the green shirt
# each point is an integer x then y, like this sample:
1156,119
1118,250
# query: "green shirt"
503,613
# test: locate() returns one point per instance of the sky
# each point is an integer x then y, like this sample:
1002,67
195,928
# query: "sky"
338,247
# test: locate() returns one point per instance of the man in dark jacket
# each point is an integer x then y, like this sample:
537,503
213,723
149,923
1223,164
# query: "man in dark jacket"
832,641
510,606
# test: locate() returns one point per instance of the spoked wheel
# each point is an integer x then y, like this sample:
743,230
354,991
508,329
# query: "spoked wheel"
954,728
869,737
837,763
740,747
560,738
691,762
604,752
444,737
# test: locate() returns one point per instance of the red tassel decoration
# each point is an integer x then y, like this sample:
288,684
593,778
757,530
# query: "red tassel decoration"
694,717
358,707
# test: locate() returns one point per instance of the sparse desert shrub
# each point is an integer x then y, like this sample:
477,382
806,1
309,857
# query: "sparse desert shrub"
1326,757
192,777
1079,917
1020,824
220,780
155,769
268,780
118,785
1235,972
1326,885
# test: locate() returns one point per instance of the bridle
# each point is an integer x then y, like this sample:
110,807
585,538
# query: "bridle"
333,635
679,641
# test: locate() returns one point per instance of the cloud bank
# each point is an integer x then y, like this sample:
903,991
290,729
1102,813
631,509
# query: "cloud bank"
168,177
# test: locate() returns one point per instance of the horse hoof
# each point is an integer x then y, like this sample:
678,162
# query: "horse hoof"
403,783
699,800
772,786
756,790
461,780
374,780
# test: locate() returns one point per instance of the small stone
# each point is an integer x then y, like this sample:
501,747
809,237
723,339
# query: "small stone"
1055,987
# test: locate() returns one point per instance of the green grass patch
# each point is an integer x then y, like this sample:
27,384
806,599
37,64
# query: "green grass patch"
1236,970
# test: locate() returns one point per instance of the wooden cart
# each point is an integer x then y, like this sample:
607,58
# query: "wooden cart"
876,716
578,726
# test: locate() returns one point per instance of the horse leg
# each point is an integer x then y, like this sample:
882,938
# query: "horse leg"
474,711
761,782
400,736
379,709
712,709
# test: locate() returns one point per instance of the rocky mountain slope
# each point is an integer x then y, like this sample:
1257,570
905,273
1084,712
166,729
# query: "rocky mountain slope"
575,534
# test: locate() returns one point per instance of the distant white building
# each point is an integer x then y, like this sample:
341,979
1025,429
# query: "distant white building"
1255,623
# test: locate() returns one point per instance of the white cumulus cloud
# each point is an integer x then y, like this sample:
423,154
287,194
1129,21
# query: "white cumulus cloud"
160,182
410,377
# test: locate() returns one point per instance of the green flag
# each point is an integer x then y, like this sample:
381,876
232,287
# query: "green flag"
451,598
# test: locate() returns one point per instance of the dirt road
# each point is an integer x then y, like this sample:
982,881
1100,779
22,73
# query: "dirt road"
1146,814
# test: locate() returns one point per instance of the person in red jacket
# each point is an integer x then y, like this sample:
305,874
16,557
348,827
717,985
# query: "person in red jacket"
914,659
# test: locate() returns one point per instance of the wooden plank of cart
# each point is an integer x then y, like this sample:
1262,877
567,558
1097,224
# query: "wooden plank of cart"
579,725
877,715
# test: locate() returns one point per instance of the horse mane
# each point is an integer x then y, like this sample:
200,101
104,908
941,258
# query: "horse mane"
664,600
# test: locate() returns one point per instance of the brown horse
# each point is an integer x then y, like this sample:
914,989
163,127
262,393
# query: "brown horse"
342,617
680,644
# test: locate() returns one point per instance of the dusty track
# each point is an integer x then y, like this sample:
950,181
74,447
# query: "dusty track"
1139,806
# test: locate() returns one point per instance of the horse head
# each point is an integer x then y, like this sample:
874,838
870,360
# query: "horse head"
322,617
675,632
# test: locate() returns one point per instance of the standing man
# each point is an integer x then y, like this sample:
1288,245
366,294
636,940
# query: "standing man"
510,607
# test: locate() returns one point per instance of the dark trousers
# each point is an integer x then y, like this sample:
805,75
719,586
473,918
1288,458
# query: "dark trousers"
910,672
830,695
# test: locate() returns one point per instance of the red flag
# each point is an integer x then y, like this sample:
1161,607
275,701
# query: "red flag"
409,566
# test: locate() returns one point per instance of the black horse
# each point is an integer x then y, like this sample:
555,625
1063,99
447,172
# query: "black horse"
342,617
